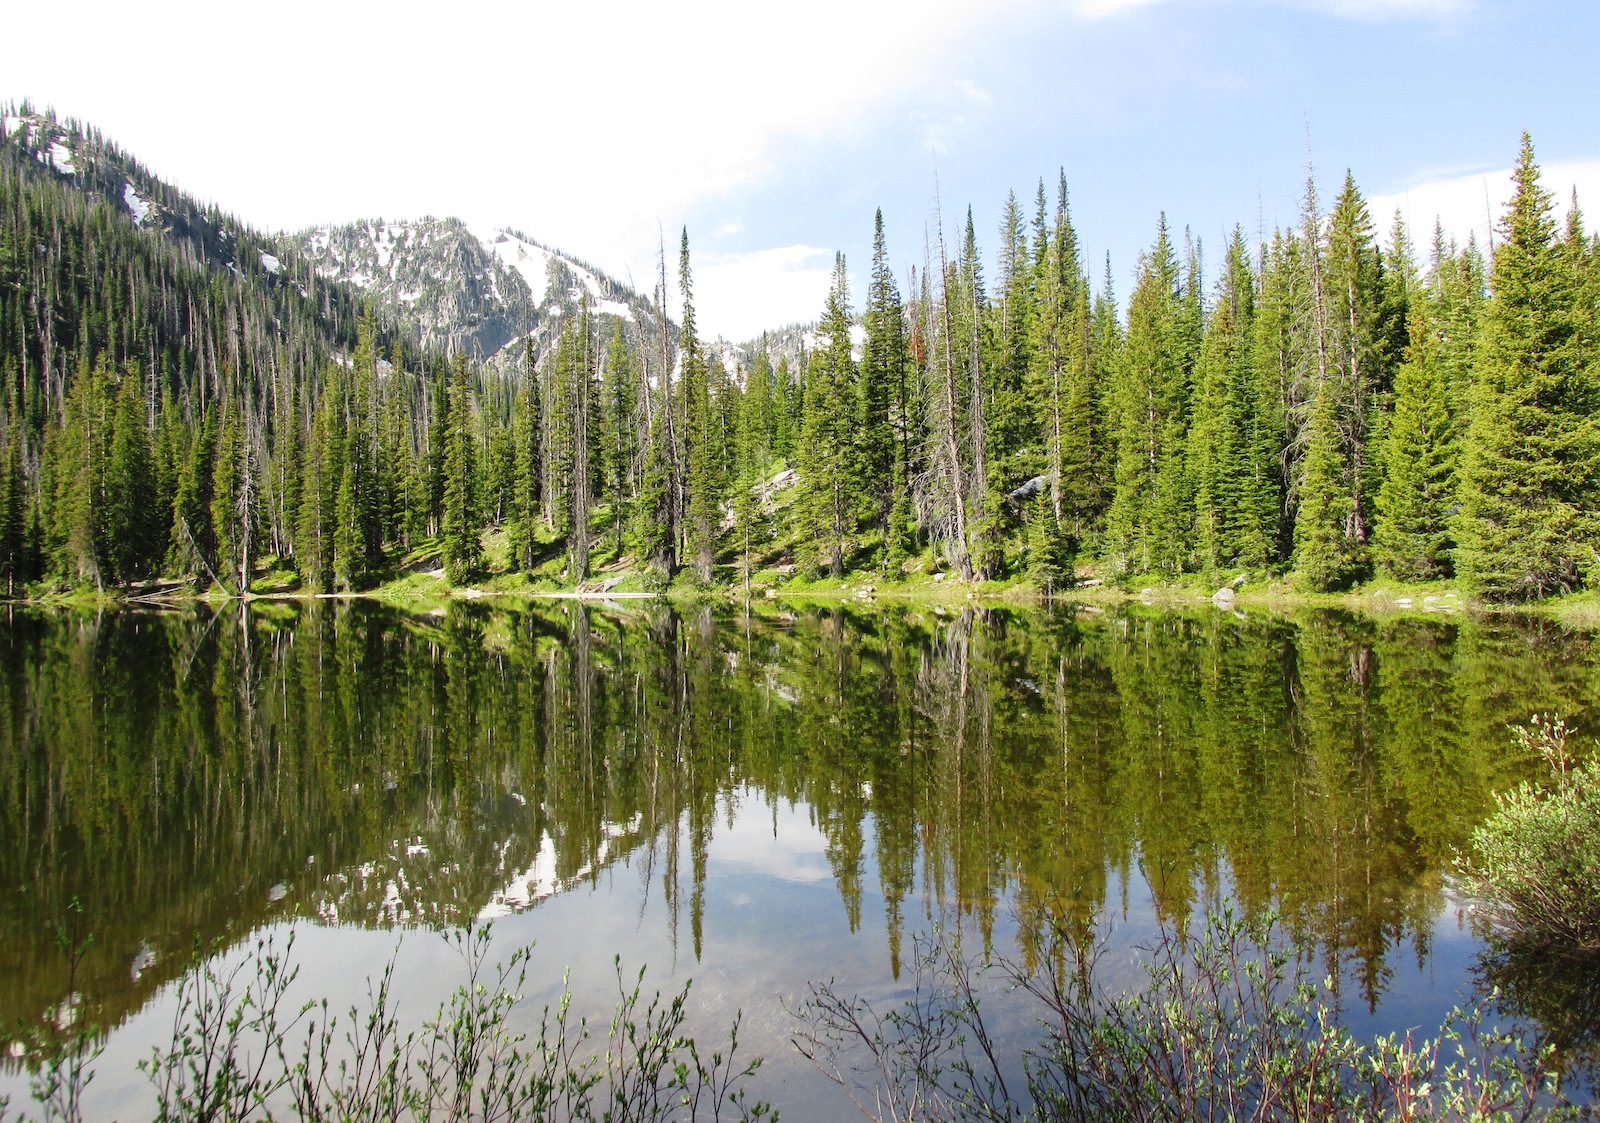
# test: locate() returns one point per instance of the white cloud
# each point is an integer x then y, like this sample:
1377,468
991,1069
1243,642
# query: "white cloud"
1102,9
739,295
1472,204
583,124
784,844
1371,10
1391,9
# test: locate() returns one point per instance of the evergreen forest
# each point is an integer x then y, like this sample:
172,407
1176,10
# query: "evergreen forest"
183,402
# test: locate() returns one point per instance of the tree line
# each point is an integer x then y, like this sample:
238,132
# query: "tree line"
1322,403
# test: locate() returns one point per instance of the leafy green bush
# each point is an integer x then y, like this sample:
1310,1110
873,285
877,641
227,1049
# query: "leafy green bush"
1534,865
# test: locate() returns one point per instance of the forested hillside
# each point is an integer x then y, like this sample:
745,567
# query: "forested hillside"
186,398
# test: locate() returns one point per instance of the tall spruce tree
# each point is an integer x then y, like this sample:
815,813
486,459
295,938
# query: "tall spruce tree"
13,508
1234,521
462,534
235,507
828,483
1411,539
1151,403
135,534
1531,459
1357,344
319,485
616,438
702,501
1322,554
527,454
881,391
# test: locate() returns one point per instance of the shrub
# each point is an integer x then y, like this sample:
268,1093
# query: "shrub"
237,1052
1225,1028
1534,865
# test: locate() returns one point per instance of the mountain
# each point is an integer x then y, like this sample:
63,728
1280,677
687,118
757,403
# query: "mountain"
442,283
459,286
204,235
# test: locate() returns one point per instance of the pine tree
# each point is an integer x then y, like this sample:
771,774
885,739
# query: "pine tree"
703,498
1323,558
1411,540
583,440
1151,409
193,541
1354,295
1230,464
616,437
132,511
1014,453
319,485
1529,494
78,468
13,508
828,495
462,531
527,444
438,440
1286,364
748,463
234,510
350,505
1050,549
881,385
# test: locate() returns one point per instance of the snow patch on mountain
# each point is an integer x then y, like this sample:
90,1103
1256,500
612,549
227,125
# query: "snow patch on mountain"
138,204
61,158
467,286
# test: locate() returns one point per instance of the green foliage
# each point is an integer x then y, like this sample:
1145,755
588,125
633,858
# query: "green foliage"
234,508
1414,505
1530,471
1535,863
234,1057
703,482
1226,1026
1147,524
15,559
830,487
1325,555
462,530
527,441
1326,409
1050,549
135,526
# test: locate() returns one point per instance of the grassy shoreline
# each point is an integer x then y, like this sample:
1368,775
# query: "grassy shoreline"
430,588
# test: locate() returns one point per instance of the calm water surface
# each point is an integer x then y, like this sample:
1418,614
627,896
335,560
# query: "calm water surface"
749,801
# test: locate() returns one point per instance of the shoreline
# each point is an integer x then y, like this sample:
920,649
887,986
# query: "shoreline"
1431,600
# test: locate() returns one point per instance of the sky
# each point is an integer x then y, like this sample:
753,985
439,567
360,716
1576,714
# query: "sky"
773,132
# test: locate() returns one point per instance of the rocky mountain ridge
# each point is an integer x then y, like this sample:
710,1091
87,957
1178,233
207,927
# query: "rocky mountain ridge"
485,290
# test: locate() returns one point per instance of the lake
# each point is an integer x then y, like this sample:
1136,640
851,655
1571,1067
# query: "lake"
754,801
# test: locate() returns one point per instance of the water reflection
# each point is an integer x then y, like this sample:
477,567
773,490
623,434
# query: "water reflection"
345,763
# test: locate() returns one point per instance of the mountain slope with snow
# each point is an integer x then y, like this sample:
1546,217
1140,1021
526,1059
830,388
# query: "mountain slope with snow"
484,290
